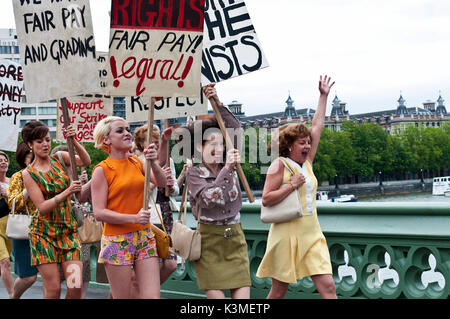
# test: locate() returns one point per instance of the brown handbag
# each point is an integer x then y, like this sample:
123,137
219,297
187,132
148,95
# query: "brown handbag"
92,229
163,240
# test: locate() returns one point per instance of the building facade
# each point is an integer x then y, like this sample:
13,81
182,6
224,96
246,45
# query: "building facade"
44,112
431,113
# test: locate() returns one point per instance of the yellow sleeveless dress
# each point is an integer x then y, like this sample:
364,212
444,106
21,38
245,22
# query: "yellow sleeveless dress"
297,248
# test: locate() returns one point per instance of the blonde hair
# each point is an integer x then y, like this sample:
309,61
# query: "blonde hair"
103,128
140,135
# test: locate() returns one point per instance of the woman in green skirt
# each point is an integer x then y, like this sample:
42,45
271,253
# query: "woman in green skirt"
216,200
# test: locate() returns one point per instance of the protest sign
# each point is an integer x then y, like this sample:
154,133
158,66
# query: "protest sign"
11,91
166,108
57,49
84,114
230,45
103,68
155,48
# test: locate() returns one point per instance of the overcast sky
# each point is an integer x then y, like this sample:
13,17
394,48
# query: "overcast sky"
373,49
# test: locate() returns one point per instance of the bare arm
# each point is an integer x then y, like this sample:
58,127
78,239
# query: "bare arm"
273,193
35,194
319,117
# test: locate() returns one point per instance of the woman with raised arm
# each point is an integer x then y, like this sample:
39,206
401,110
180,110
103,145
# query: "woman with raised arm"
53,230
117,198
297,248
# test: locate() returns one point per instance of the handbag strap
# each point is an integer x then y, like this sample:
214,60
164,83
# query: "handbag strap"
286,164
159,215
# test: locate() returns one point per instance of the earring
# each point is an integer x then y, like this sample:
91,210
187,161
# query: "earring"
31,150
105,148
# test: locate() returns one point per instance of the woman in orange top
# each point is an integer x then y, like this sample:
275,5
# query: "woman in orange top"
117,195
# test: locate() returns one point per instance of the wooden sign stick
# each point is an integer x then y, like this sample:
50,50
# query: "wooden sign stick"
166,125
151,116
73,163
230,145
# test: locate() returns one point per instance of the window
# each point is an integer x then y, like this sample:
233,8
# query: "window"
5,50
16,49
23,122
28,111
50,122
47,110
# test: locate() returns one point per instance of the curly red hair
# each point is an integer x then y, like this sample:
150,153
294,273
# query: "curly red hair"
286,135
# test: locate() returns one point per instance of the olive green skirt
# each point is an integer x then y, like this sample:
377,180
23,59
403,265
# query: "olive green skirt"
224,260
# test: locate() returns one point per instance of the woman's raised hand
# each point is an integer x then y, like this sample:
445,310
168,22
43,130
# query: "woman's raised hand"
324,85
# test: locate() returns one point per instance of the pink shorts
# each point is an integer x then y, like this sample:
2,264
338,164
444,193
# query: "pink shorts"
128,248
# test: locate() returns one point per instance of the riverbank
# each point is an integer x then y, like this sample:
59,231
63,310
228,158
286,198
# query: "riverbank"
362,190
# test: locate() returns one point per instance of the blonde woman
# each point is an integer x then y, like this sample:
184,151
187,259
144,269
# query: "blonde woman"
117,197
297,248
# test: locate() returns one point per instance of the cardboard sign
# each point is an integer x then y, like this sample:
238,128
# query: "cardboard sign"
84,112
57,48
166,108
230,45
11,91
155,48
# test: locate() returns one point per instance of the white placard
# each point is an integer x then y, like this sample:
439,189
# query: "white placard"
57,48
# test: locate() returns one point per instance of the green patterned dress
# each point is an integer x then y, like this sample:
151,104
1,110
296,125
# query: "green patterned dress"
53,237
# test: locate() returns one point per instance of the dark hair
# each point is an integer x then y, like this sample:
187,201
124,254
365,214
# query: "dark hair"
34,130
199,125
21,154
5,155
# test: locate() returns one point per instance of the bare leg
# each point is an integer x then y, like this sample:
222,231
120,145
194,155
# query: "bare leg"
167,267
73,272
215,294
278,290
147,277
240,293
325,286
5,270
21,285
50,280
119,277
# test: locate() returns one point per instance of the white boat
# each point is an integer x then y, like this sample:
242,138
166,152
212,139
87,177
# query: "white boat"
441,185
447,193
323,196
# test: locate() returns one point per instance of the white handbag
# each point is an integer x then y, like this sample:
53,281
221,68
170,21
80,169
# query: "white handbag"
286,210
187,243
18,224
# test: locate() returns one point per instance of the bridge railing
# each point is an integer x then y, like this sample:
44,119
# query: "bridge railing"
378,250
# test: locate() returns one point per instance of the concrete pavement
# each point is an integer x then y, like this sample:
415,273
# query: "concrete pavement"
35,292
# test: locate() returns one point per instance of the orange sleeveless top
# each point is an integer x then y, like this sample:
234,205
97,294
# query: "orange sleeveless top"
125,192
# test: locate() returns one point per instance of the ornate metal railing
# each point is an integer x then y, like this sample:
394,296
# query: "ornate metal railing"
378,250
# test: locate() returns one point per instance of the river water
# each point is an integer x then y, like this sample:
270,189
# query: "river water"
413,197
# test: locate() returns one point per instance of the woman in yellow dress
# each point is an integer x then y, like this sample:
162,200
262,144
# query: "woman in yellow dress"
297,248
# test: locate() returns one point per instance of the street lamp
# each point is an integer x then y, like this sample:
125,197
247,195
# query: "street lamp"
421,176
381,182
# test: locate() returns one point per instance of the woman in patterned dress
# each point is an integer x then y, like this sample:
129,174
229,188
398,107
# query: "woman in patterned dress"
53,230
5,242
297,248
